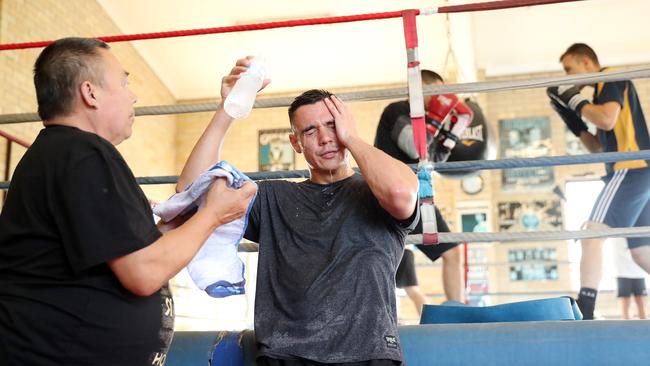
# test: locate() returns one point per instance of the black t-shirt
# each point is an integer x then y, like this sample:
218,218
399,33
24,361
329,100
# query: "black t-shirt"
393,119
73,205
326,271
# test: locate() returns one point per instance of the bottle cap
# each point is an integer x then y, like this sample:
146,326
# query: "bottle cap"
257,66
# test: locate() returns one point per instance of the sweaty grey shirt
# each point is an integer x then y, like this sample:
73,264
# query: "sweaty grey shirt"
326,271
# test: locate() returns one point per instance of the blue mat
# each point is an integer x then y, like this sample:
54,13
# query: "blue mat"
560,308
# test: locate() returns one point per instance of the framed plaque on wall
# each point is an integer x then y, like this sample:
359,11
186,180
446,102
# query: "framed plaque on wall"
276,152
525,138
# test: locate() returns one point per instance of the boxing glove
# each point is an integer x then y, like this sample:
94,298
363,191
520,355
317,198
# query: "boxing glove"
571,120
568,96
438,153
437,111
461,118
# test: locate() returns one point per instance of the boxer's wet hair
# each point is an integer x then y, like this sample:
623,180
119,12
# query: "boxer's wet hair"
309,97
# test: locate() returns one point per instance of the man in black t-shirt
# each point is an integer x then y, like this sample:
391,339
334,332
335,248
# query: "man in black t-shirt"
83,268
395,137
330,245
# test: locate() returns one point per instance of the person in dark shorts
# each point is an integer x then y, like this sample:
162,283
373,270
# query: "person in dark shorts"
630,280
406,276
628,289
621,126
407,279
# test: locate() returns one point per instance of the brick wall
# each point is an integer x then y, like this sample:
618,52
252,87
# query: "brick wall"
151,149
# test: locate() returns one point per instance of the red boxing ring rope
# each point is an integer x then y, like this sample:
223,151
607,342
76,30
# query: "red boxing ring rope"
490,5
496,5
15,139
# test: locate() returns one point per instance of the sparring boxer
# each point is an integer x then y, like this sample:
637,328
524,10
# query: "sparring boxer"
625,199
445,122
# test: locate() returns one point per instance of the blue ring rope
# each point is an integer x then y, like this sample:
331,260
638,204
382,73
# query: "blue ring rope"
609,157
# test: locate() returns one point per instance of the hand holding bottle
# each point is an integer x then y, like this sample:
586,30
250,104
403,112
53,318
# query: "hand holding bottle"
250,78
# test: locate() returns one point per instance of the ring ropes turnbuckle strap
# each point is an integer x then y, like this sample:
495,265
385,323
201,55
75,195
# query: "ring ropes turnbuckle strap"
416,111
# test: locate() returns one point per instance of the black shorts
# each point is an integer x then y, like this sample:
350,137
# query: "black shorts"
405,275
434,252
267,361
631,287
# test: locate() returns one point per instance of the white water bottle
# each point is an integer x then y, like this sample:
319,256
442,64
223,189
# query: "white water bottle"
240,101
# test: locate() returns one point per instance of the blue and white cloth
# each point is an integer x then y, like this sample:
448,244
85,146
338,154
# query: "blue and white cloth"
216,268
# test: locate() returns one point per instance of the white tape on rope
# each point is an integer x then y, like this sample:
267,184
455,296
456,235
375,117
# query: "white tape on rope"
428,11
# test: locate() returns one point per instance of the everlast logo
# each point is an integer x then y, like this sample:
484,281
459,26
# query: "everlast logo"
473,133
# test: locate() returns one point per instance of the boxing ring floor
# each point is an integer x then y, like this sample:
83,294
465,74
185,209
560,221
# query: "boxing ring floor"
601,342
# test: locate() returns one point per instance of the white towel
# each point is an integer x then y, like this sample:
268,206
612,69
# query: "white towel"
216,268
